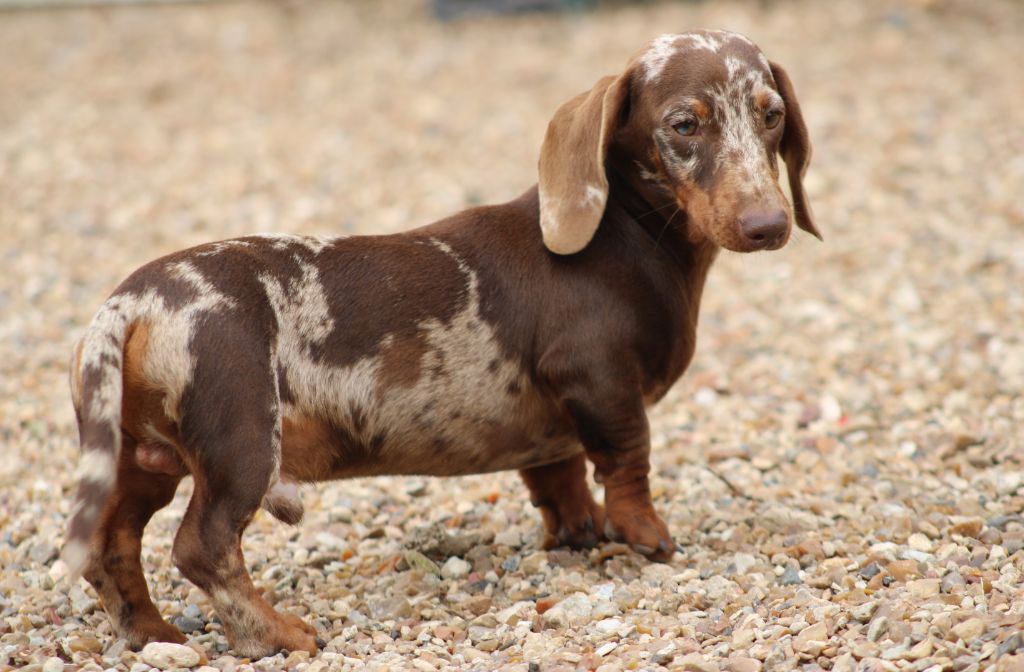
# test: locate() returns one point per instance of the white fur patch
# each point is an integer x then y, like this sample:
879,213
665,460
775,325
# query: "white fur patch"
246,622
595,196
76,556
646,174
680,167
710,41
741,148
102,353
733,66
156,436
97,466
461,393
213,249
656,57
168,362
282,241
664,47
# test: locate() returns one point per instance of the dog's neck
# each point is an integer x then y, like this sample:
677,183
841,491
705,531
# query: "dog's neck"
653,210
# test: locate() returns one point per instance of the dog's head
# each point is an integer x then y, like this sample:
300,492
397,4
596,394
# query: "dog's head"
701,117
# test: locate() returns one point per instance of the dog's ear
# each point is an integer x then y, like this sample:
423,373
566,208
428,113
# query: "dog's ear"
573,186
795,149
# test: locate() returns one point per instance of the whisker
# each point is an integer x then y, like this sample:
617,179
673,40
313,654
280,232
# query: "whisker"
657,209
665,228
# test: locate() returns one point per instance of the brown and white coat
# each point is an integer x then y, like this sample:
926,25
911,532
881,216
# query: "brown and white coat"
529,335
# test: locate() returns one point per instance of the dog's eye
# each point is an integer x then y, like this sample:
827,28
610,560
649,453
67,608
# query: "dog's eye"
686,128
772,118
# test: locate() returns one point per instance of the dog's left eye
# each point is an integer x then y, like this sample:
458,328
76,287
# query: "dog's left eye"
687,127
772,118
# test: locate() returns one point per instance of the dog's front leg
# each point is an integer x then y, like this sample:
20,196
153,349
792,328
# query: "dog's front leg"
612,426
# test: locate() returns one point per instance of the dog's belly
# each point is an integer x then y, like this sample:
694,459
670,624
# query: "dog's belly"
444,434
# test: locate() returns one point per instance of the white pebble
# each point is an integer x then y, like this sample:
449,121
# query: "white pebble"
167,656
53,665
455,568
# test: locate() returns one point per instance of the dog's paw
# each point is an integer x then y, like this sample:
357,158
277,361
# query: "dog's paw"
643,530
576,527
286,632
141,632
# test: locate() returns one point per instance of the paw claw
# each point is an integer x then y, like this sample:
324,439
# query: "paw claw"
643,549
320,643
609,530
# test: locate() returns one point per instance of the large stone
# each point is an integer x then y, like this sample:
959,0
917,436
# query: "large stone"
695,662
811,639
53,665
743,664
922,589
969,630
967,527
572,611
167,656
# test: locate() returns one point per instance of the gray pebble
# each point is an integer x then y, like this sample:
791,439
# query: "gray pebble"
790,577
869,570
188,625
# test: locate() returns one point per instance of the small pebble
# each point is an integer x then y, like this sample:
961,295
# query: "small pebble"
455,568
790,577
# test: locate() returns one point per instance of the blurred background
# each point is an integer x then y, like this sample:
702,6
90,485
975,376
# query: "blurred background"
872,382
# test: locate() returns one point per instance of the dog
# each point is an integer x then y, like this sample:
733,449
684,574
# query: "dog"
530,335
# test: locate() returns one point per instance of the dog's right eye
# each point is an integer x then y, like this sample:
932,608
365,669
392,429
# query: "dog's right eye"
686,128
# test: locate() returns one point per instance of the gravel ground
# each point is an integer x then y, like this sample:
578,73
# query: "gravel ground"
842,465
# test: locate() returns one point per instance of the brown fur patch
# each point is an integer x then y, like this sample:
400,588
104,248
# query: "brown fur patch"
314,450
142,409
401,361
306,448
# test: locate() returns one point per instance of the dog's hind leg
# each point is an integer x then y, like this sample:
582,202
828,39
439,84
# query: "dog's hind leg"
114,568
560,491
234,432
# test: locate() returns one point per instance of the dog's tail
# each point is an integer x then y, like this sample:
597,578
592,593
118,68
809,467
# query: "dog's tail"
96,388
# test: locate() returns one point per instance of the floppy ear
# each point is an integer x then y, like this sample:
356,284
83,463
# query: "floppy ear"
795,149
573,187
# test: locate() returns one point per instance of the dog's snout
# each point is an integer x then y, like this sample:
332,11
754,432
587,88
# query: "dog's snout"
764,229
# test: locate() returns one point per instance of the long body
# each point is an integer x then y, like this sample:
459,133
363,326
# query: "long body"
439,351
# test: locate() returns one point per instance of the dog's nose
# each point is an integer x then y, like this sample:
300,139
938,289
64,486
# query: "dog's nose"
764,229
